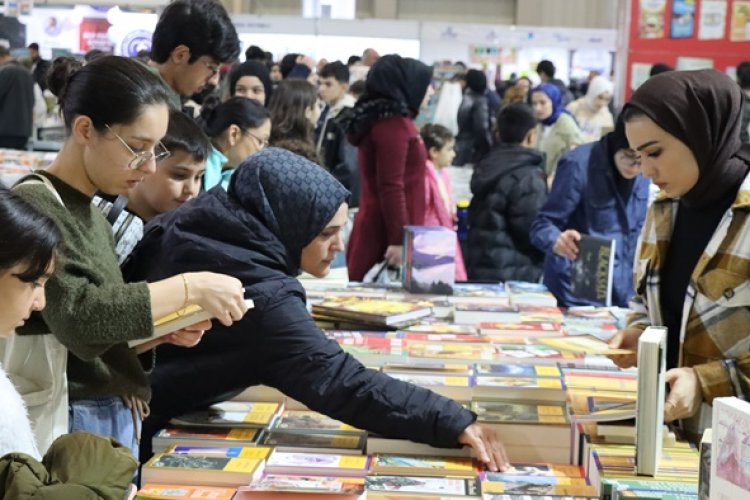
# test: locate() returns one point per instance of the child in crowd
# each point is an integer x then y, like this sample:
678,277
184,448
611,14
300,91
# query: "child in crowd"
237,128
177,179
439,143
509,188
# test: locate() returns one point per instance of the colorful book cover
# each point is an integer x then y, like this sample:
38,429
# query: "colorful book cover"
517,412
537,470
440,328
179,492
518,370
730,450
422,485
232,435
281,462
257,452
588,345
533,488
651,18
525,328
683,19
740,27
385,312
429,260
713,20
335,441
311,421
182,461
410,464
307,484
231,414
519,382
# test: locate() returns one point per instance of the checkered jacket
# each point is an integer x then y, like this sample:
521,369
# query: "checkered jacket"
715,330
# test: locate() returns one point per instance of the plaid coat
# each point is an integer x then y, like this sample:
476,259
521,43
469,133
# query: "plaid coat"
715,330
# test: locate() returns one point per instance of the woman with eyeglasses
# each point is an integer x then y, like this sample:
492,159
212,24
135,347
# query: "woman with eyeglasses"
237,128
597,191
115,113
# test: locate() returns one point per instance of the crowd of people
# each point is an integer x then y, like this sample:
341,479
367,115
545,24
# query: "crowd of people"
191,178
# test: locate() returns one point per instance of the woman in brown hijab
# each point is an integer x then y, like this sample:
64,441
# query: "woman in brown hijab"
692,272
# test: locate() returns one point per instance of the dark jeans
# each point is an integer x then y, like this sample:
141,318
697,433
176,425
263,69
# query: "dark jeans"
13,142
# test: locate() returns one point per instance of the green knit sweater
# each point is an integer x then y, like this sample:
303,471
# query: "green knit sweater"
90,309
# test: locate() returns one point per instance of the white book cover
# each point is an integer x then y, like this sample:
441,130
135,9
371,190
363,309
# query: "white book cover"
649,418
730,449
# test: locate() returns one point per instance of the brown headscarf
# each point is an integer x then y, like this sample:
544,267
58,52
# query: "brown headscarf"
703,109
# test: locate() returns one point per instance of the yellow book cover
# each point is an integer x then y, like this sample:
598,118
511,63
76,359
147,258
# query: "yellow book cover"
182,492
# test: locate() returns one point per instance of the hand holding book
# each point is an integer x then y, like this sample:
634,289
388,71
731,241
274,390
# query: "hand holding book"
685,394
627,338
484,441
567,244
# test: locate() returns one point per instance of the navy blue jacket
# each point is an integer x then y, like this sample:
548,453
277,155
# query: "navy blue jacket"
584,197
276,343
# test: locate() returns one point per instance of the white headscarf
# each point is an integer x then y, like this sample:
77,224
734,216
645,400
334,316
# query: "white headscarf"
598,86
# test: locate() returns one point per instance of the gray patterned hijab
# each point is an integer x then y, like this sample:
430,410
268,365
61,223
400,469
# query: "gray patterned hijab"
291,196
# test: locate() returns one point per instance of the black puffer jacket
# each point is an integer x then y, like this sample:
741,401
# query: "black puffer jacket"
508,188
277,202
474,129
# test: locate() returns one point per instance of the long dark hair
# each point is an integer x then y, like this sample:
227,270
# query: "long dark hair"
109,90
288,104
29,237
217,116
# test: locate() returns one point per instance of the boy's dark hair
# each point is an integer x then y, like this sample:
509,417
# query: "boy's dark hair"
109,90
255,53
183,134
29,237
743,75
514,122
353,60
287,64
34,46
357,88
435,136
217,116
203,26
337,70
546,67
659,68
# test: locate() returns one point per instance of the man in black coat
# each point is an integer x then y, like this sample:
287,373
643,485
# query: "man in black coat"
509,188
281,214
16,102
39,66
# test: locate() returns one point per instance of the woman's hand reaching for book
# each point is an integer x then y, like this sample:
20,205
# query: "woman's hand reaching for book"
627,338
567,244
219,294
685,394
489,449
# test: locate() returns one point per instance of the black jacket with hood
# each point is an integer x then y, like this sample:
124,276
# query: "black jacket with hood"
277,203
508,188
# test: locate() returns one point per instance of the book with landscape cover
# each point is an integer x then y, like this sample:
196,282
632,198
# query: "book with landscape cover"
429,259
178,320
730,449
592,273
537,486
231,414
308,421
317,464
200,470
480,293
339,443
649,418
413,486
292,487
199,436
379,312
473,314
413,465
179,492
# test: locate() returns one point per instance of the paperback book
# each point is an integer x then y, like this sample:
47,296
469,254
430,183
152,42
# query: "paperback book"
201,470
730,450
379,312
231,414
385,486
183,492
314,487
343,443
406,465
592,273
307,421
317,464
429,260
231,437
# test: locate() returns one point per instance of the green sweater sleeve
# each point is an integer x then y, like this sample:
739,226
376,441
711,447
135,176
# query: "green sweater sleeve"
89,306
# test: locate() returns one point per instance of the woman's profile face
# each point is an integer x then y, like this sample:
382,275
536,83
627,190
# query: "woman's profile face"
318,255
627,163
542,105
669,163
18,299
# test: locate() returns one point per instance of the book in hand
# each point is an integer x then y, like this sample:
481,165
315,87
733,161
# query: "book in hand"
429,260
317,464
178,320
592,273
183,492
730,449
649,418
201,470
383,486
292,487
231,414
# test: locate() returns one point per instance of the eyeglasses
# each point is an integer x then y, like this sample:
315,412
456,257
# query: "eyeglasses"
631,157
141,158
213,68
263,143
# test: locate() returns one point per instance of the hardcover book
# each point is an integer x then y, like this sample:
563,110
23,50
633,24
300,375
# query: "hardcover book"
592,273
429,259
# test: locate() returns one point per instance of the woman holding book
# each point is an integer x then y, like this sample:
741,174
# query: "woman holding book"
115,113
692,269
598,193
282,215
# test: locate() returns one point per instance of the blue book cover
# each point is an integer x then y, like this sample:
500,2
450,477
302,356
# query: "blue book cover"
429,260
